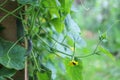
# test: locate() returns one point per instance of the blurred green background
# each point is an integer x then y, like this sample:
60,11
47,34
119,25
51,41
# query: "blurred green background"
93,16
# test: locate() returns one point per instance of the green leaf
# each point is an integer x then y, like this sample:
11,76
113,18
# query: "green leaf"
103,36
44,74
26,1
49,3
5,72
58,24
105,51
1,78
73,31
52,7
74,71
54,13
72,26
66,6
14,58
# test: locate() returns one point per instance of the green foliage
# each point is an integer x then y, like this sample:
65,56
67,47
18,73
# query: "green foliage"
55,36
44,74
103,36
105,51
53,8
2,78
74,71
66,6
7,73
26,1
9,55
53,31
58,24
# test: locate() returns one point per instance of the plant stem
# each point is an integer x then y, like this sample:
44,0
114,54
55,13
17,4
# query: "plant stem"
10,13
52,47
73,51
3,3
94,52
35,61
61,43
26,70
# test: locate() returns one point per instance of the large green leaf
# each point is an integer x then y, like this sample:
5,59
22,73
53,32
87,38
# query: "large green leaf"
73,31
72,27
4,72
13,58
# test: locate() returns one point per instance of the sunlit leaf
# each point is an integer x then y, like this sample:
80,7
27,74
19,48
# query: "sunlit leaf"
54,13
52,7
58,24
105,51
44,74
66,6
74,71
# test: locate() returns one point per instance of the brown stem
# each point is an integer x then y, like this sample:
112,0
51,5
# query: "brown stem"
26,46
26,70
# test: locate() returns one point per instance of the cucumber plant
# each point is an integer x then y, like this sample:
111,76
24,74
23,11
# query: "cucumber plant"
46,31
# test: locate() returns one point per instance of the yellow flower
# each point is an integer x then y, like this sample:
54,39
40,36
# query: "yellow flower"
73,63
43,20
72,48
